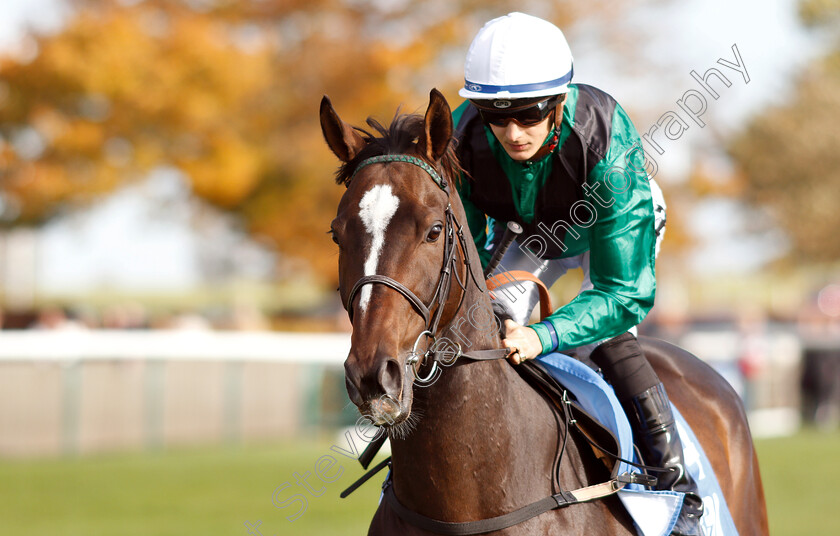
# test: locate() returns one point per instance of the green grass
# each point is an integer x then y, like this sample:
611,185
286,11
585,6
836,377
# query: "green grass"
214,491
205,491
799,474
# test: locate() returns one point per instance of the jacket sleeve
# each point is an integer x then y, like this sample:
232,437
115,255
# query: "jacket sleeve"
621,241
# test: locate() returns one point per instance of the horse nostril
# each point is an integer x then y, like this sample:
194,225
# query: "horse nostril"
353,391
390,377
383,378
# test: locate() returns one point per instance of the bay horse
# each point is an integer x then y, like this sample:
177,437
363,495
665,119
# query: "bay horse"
476,441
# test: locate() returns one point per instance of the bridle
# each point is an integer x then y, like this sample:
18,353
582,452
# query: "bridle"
432,312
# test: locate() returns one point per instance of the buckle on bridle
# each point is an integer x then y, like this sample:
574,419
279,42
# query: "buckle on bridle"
447,361
567,405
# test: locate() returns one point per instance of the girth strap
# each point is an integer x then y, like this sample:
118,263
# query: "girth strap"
552,502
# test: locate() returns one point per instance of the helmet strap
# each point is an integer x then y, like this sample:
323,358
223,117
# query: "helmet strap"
554,135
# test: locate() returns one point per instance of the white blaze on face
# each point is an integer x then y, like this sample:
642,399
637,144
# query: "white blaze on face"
376,208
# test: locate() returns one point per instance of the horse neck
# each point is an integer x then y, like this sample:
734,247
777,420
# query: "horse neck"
479,426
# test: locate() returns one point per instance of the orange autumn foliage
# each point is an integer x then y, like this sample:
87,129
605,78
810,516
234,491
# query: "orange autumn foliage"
226,91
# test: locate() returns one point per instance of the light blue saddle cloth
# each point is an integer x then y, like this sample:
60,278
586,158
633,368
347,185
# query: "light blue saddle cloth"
654,512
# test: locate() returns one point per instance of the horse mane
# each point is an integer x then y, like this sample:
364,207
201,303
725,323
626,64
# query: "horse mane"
400,137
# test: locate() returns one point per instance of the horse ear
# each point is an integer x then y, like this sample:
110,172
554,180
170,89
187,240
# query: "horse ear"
438,126
342,139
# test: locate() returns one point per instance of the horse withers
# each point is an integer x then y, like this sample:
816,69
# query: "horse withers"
476,441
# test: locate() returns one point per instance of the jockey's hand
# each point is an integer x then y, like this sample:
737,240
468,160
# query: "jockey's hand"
521,338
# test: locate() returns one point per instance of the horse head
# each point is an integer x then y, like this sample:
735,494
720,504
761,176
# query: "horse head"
394,227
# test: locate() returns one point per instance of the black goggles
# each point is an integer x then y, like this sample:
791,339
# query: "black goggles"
527,116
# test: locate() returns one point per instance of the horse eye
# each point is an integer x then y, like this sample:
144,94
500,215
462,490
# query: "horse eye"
332,235
434,232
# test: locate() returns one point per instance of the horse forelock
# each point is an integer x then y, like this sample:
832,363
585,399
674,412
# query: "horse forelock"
400,137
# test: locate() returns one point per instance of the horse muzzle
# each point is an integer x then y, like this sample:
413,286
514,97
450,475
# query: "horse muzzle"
383,394
385,411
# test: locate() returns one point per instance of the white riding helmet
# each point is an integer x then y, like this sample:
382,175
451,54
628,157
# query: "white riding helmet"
517,56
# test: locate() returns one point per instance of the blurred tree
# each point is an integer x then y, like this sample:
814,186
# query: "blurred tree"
227,91
789,157
819,12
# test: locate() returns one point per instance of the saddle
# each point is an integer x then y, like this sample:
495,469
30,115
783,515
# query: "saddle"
597,435
602,440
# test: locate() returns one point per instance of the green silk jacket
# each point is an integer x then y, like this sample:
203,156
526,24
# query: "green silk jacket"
590,193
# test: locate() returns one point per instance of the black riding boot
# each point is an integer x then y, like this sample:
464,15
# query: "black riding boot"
653,422
644,399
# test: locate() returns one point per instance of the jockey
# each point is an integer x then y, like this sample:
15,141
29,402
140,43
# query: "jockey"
565,162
